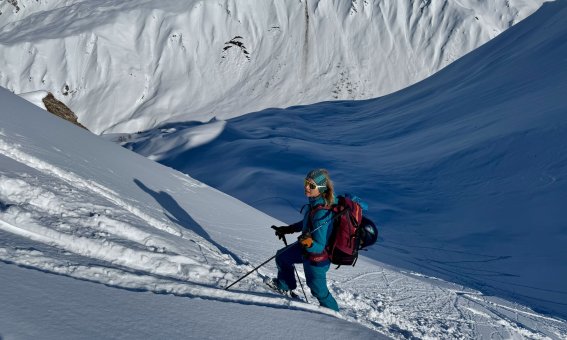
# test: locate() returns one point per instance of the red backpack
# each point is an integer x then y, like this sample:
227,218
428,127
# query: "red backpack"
345,240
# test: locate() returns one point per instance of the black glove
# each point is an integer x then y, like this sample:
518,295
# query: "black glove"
281,231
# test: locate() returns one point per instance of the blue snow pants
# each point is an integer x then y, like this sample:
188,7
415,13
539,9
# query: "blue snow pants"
315,274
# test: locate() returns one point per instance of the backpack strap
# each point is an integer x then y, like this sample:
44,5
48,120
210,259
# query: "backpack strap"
314,210
319,207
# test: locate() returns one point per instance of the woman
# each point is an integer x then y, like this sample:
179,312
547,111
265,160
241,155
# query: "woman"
315,228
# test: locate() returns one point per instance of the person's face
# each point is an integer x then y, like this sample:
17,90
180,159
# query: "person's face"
311,188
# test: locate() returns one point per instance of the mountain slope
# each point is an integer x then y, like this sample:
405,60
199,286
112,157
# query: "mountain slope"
77,206
465,171
132,65
74,205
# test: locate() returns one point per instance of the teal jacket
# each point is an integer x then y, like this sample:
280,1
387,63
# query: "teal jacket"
320,226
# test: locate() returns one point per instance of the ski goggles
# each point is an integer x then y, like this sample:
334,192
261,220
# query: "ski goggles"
311,185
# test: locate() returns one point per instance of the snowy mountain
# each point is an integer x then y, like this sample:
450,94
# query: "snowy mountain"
114,226
128,66
465,171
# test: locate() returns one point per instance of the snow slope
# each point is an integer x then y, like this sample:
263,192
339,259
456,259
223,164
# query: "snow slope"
74,205
114,226
128,66
57,307
465,171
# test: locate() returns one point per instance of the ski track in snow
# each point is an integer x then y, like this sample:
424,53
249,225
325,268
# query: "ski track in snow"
107,240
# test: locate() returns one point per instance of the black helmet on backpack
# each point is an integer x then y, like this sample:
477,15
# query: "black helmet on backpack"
368,232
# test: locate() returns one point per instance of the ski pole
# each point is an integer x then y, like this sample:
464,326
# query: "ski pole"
253,270
271,258
296,273
250,272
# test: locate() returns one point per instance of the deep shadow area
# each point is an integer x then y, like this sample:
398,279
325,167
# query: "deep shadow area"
178,215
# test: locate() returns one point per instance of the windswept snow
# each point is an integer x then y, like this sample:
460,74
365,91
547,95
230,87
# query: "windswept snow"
75,205
128,66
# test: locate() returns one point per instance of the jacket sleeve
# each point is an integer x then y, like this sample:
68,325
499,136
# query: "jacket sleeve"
322,226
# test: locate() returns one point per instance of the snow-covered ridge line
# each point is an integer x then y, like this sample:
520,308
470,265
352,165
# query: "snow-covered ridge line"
130,66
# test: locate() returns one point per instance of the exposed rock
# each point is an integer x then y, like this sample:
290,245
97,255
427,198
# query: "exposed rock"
235,42
15,4
61,110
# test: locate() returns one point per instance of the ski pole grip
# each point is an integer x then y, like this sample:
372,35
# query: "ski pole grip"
284,240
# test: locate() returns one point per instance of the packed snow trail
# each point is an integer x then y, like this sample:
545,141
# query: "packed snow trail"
75,205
